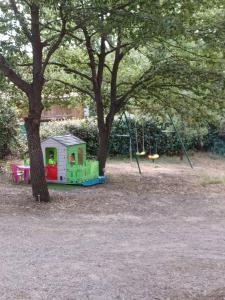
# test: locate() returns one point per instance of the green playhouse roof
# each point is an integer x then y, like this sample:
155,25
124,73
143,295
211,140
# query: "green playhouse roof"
67,140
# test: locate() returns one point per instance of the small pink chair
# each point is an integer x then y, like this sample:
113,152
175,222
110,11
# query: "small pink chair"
17,175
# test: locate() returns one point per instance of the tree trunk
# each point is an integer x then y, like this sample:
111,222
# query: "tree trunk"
104,135
39,185
103,149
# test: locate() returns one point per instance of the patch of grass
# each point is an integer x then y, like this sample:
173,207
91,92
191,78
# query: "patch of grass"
206,180
175,160
163,159
60,186
215,156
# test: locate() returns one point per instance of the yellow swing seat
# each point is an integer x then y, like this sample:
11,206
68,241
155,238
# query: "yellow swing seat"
153,157
140,153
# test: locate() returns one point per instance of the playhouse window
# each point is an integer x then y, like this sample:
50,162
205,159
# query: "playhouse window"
72,158
80,156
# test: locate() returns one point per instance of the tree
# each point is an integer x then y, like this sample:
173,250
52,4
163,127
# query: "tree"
27,42
124,53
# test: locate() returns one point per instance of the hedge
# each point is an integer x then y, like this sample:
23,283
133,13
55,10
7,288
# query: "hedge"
158,137
8,129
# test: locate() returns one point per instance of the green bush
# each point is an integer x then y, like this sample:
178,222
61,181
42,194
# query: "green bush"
215,143
8,129
158,137
85,130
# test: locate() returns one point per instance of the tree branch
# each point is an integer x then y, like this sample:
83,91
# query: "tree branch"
124,98
108,68
75,37
101,61
36,44
115,48
25,65
188,51
13,76
91,58
117,60
58,41
70,70
81,90
124,83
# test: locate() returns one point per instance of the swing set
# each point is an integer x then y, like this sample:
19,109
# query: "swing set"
138,153
151,156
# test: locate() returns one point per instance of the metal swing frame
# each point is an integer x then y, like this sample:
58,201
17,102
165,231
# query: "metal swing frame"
128,135
138,153
181,141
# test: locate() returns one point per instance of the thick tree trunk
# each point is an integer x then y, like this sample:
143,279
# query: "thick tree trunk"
104,135
103,149
39,185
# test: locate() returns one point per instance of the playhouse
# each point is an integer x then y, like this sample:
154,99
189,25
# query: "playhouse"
65,161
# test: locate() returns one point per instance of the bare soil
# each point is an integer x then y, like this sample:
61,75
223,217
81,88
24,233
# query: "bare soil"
156,236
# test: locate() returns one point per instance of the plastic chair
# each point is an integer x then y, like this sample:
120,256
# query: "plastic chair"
17,174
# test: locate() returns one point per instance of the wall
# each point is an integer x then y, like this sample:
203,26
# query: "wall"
57,112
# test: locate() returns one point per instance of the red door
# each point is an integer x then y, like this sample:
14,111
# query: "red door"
51,172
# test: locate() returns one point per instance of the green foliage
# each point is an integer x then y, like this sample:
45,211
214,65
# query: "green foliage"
168,65
159,136
8,128
218,147
53,128
172,61
86,130
214,142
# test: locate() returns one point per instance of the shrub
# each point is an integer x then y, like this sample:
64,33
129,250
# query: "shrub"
214,141
8,128
159,136
85,130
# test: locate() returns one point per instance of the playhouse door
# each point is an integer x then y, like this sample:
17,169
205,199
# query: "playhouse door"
51,163
51,172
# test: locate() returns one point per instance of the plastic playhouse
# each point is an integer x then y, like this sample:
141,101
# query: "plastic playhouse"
65,161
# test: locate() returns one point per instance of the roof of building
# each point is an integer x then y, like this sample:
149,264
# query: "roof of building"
67,140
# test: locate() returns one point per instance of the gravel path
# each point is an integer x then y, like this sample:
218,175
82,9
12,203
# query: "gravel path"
161,236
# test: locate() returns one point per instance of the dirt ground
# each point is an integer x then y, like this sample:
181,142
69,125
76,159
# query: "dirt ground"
156,236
